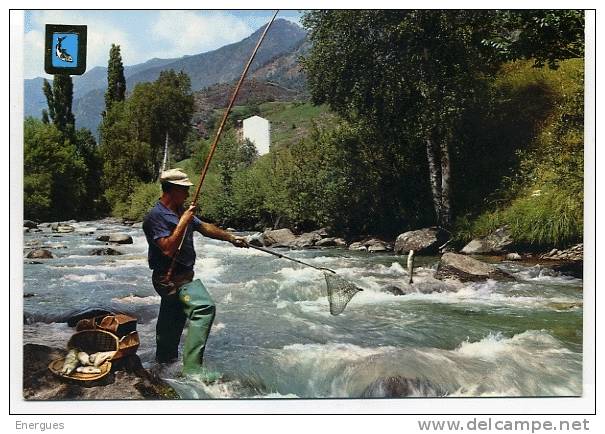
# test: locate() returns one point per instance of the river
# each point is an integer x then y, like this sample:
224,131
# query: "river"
274,337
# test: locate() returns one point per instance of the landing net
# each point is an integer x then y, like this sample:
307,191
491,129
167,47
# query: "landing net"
340,292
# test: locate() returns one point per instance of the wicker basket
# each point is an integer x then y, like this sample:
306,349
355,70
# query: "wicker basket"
94,341
56,366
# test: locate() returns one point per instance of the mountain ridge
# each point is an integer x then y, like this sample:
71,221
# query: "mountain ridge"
222,65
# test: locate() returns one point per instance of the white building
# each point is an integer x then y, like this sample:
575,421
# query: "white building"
258,131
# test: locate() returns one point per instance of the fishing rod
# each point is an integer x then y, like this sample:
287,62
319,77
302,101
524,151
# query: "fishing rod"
216,140
340,291
279,255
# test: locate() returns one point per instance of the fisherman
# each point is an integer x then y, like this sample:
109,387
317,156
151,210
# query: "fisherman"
182,297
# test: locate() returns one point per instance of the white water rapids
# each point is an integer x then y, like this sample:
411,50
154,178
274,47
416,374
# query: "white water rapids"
274,336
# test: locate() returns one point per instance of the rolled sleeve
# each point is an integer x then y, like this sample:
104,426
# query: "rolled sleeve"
158,228
197,223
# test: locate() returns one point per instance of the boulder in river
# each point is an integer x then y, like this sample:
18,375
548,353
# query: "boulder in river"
497,242
137,225
422,241
105,251
513,257
305,240
574,253
62,229
128,380
30,224
466,269
255,240
371,245
117,238
395,290
40,254
375,245
278,237
322,232
357,246
400,387
331,242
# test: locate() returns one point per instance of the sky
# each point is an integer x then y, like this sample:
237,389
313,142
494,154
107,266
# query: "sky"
143,35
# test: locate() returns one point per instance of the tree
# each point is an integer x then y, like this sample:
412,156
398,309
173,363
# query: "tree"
59,100
410,76
53,184
547,36
126,159
92,203
116,83
163,107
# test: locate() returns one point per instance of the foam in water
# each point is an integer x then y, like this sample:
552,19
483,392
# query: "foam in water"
529,363
209,269
87,278
135,299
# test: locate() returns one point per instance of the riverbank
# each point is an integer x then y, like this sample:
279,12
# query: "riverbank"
127,380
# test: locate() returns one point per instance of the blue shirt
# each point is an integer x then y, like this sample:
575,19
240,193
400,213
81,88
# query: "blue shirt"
159,223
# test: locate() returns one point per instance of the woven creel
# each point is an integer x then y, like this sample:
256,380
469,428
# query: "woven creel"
56,366
94,341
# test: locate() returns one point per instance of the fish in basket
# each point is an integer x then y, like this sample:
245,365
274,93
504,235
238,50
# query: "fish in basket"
90,351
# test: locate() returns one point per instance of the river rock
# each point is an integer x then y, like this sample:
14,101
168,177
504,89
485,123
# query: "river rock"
371,245
357,246
305,240
137,225
465,269
30,224
574,253
40,254
395,290
116,238
331,242
62,229
278,237
400,387
495,243
255,240
377,246
105,251
513,257
322,232
128,380
423,241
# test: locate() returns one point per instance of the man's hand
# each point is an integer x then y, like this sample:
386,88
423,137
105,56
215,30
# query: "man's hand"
239,242
189,213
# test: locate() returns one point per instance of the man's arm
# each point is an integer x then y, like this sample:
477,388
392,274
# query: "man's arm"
211,231
170,244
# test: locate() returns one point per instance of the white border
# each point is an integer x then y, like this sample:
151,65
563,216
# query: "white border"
585,404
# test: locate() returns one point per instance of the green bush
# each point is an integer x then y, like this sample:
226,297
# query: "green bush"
142,200
542,201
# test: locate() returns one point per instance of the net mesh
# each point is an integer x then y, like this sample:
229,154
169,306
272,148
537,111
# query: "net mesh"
340,292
